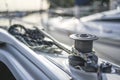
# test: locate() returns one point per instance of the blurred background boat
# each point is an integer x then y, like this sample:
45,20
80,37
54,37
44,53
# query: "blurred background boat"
23,5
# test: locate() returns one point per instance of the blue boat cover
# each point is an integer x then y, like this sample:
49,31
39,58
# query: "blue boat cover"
82,2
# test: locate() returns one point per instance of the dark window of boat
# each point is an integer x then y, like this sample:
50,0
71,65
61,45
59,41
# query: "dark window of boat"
5,73
108,20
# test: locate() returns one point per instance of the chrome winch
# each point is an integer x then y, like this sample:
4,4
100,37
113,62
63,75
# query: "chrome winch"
85,57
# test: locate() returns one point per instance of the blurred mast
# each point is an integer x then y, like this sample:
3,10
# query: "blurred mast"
7,12
41,6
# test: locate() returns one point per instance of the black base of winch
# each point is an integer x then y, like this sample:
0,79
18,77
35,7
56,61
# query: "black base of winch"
76,61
